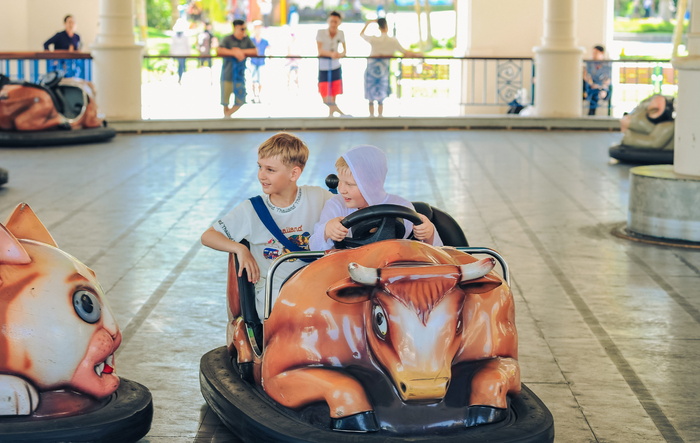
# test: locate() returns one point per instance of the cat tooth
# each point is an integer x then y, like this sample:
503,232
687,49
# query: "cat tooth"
110,360
99,368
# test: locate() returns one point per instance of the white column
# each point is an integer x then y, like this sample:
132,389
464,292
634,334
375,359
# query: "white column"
558,64
117,62
686,157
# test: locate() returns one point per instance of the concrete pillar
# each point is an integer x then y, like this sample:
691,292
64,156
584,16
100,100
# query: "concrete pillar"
117,62
665,200
686,155
559,64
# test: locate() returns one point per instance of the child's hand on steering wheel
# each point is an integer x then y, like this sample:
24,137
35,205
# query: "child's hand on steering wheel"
424,231
335,230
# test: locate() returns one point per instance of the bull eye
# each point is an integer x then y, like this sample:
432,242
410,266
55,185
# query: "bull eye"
87,306
381,326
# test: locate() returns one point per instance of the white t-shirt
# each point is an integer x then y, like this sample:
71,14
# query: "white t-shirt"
330,44
295,221
383,45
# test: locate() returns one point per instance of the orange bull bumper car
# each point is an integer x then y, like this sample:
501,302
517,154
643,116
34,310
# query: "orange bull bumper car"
393,339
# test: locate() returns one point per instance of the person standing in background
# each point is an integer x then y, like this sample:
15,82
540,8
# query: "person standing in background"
330,75
66,40
266,11
235,48
256,63
180,46
596,79
205,41
377,86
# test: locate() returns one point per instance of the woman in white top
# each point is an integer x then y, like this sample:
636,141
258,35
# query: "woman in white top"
377,73
330,76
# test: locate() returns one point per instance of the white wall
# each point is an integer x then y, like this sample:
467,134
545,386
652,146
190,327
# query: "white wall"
513,27
14,31
27,24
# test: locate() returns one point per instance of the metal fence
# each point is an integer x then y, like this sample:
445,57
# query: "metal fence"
434,86
431,86
31,66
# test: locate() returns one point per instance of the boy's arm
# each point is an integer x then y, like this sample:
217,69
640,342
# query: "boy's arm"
216,240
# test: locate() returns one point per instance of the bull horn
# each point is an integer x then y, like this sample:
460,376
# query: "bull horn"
362,275
472,271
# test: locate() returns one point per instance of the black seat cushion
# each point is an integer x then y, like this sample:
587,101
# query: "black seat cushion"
448,228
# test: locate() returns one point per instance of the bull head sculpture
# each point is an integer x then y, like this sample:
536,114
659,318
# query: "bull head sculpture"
415,319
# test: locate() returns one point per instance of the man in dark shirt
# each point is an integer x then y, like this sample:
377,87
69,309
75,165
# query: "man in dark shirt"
235,48
65,40
596,78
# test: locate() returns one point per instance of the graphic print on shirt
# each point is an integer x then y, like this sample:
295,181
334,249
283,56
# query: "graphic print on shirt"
272,252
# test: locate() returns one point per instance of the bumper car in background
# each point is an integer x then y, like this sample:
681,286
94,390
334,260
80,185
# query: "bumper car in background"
56,111
57,344
391,338
648,133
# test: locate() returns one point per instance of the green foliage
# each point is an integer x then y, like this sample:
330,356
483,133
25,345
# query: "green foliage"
156,33
640,57
438,47
158,13
411,8
646,25
214,10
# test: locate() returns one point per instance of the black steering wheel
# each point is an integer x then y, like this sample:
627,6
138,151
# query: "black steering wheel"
51,79
376,223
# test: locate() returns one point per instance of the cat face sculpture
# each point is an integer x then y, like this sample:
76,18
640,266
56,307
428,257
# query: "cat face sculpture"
56,330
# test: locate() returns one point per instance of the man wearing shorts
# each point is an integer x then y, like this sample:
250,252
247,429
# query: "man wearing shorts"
235,48
331,48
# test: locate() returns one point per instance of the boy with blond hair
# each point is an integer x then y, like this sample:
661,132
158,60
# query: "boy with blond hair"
295,209
361,174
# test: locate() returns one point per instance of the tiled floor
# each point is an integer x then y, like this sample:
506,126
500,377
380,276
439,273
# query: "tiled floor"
609,329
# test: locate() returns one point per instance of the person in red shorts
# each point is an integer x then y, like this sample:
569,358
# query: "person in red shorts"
331,48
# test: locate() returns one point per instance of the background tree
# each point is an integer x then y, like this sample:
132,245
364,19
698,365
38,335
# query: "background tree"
214,10
158,13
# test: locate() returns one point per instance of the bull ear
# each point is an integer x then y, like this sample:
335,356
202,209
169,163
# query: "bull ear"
11,251
347,291
23,223
486,283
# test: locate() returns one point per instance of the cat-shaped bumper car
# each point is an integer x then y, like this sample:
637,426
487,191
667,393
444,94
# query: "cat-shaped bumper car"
57,343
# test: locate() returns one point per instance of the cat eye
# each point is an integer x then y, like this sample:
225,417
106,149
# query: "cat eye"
87,306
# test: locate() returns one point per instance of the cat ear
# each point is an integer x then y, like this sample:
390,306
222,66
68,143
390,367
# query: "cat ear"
11,251
23,223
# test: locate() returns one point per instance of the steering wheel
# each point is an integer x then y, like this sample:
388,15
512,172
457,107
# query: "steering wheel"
376,223
51,79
